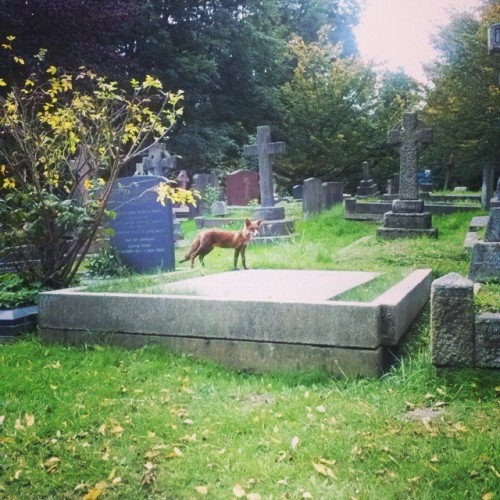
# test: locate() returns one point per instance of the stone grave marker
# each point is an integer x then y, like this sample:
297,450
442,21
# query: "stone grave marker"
367,187
219,208
495,202
297,192
407,217
242,186
311,197
264,149
158,161
144,229
332,193
183,179
200,183
487,186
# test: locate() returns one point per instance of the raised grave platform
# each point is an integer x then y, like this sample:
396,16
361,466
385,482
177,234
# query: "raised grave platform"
251,320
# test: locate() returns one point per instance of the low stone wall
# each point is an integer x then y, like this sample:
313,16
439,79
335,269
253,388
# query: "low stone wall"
459,338
375,210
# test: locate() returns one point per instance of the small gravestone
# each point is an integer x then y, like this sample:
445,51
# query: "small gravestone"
367,187
494,38
332,193
407,217
219,208
264,149
183,179
311,197
425,181
495,202
297,192
143,227
201,183
242,187
485,262
487,186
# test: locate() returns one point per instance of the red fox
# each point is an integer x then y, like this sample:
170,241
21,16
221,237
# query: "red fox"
239,240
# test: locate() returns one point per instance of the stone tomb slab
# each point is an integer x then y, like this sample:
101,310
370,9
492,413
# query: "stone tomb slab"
249,320
266,284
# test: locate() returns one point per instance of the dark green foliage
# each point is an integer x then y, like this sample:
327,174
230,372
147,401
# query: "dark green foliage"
107,263
14,292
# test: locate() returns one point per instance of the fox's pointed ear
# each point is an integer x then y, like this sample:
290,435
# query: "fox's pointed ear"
259,222
247,222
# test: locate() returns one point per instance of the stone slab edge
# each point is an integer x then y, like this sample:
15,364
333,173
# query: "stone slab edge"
402,303
326,323
244,355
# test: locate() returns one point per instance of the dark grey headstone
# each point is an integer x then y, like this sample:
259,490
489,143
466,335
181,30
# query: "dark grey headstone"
493,227
487,186
297,192
311,197
332,193
144,230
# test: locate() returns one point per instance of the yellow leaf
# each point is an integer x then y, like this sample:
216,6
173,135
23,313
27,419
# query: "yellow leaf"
238,491
19,60
18,426
487,496
30,420
254,496
202,490
52,70
118,430
112,475
2,82
322,469
51,464
10,38
94,492
102,429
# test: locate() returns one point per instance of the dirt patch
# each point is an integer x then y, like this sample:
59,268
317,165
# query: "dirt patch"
422,414
255,400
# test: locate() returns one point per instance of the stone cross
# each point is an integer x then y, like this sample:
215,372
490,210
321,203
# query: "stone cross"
157,162
410,137
263,150
183,179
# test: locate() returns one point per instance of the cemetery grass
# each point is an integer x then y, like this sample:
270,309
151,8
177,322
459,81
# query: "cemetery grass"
115,423
105,421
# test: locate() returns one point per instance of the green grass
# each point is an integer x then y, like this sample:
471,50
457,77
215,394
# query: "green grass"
77,419
150,424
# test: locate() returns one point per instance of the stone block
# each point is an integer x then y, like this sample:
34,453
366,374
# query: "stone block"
332,193
485,263
408,221
269,213
392,233
311,197
452,321
493,228
487,345
407,206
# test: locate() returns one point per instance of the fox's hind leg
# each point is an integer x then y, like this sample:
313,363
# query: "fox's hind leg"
203,254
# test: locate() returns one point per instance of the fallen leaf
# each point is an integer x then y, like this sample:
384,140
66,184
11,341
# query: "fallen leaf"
151,434
18,426
53,387
306,494
17,474
322,469
238,491
295,442
117,430
202,490
117,480
321,409
434,459
327,462
112,475
2,418
149,476
102,429
254,496
51,464
95,492
487,496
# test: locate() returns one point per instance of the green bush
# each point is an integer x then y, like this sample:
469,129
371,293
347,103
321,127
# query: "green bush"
14,292
106,264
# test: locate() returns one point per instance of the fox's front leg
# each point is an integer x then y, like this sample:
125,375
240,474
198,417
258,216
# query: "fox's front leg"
236,255
243,259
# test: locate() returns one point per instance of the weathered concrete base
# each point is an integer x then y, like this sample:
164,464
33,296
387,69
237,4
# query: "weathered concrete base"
247,333
269,213
399,232
485,263
408,221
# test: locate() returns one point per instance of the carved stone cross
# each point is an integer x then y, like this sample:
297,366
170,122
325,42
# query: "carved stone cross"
264,149
410,137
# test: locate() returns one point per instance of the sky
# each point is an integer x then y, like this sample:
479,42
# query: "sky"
397,32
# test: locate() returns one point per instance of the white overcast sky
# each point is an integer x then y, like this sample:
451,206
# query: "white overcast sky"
397,32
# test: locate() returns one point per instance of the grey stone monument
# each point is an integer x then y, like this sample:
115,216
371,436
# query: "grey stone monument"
297,192
367,187
487,186
263,150
495,202
331,193
311,197
158,161
200,183
407,217
494,38
485,262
